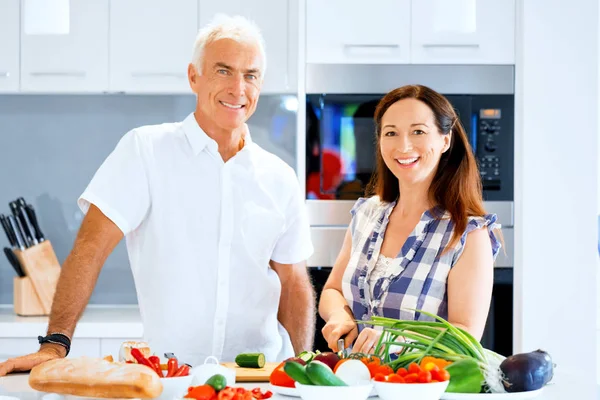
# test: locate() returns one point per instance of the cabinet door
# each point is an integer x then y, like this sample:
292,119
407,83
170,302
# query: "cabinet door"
463,32
9,46
75,62
151,45
358,31
272,18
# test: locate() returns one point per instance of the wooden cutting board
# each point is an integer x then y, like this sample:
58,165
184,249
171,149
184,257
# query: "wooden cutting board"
252,374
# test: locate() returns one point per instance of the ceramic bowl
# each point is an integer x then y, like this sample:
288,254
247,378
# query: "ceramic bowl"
211,367
410,391
354,392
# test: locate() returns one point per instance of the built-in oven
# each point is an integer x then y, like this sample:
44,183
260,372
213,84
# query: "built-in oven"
340,157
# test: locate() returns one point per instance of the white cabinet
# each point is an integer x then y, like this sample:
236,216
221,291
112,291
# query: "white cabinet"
463,32
273,18
358,31
15,347
9,46
151,45
74,62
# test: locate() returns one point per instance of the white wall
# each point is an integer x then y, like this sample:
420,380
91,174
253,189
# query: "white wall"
556,186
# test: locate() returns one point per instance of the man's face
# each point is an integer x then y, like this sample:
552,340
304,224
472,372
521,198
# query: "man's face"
229,84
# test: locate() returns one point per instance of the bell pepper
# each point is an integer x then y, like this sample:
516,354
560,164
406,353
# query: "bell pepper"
279,378
465,377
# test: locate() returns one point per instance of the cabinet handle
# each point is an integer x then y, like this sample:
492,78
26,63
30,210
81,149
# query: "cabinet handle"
4,74
370,49
457,45
374,46
58,73
158,75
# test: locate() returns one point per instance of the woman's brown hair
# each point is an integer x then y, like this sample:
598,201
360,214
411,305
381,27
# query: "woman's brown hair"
456,186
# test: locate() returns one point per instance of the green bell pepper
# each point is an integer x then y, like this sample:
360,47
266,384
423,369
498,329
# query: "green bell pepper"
465,377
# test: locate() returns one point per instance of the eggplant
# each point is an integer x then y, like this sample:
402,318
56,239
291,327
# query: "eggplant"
525,372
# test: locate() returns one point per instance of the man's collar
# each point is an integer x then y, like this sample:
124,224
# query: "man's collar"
198,139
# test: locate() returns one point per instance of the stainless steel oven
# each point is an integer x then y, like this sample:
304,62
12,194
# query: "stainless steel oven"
340,156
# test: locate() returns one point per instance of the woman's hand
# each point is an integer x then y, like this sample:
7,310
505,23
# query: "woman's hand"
366,341
340,324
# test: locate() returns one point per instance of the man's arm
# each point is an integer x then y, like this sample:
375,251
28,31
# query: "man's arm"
95,240
297,304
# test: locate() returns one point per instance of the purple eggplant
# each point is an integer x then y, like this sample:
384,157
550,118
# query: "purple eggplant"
525,372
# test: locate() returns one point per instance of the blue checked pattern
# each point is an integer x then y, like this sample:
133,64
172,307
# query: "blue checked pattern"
418,281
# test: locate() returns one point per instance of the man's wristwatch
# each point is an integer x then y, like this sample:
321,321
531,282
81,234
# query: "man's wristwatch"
57,338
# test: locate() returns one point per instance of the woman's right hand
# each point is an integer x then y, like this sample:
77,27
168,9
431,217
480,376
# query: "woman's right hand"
340,324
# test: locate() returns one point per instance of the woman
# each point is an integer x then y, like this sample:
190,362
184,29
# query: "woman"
422,240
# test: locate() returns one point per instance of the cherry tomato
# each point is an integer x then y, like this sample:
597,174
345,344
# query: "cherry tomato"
414,368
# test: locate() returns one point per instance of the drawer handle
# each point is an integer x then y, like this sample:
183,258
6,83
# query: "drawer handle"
370,49
450,45
157,75
58,73
4,74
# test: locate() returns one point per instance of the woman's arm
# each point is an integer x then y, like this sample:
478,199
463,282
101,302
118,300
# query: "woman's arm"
333,307
470,284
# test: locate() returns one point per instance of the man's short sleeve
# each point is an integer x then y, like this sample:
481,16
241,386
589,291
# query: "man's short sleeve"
295,244
120,187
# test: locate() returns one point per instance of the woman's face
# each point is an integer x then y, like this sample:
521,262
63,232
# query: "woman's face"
411,144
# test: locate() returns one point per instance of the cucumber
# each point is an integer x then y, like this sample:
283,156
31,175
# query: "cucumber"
218,382
321,375
250,360
297,372
307,356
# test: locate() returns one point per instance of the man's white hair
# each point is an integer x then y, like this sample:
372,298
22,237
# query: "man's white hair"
222,26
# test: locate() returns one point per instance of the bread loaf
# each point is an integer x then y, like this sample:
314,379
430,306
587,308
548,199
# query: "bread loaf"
125,350
94,377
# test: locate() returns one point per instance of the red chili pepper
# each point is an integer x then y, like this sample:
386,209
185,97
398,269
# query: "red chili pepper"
184,370
139,357
156,363
172,367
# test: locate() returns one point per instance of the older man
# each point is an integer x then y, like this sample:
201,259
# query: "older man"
216,230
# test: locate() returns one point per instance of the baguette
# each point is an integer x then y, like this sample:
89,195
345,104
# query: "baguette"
125,350
94,377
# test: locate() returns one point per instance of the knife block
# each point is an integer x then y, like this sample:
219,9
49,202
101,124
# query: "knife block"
34,293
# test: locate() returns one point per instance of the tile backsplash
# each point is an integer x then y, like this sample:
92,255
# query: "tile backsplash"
51,146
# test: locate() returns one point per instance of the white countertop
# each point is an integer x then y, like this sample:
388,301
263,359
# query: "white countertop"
96,322
17,386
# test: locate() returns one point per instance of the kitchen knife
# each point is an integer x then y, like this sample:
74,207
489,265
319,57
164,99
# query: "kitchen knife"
34,221
28,226
14,261
25,233
16,231
7,230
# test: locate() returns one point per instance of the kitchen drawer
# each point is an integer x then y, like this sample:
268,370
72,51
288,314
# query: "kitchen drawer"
112,346
14,347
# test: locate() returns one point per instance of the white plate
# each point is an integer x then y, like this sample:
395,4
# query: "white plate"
284,391
492,396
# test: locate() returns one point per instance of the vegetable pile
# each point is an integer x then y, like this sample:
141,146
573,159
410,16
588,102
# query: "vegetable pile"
173,370
216,388
472,368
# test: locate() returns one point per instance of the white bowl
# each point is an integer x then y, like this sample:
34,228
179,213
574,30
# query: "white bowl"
175,387
203,372
355,392
410,391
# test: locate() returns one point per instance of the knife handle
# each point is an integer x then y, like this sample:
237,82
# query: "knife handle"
15,228
29,228
34,221
7,230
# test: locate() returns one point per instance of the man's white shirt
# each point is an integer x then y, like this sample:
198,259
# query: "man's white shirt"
200,234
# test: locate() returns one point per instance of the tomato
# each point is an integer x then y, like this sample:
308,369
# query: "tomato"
280,378
443,375
414,368
411,378
393,378
203,392
385,370
380,377
402,372
424,377
226,394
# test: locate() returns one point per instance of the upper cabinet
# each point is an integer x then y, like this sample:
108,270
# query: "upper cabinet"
275,20
9,46
358,31
151,45
463,32
76,61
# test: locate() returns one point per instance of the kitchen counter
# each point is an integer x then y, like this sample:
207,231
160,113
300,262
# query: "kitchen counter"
566,388
96,322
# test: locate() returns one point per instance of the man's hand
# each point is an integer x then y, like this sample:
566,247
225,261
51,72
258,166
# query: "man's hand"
47,352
